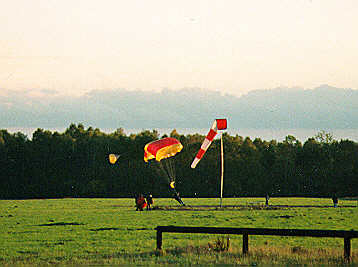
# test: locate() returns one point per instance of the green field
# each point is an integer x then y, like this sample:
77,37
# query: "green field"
110,231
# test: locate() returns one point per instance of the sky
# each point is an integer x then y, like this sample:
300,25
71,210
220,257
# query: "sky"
67,47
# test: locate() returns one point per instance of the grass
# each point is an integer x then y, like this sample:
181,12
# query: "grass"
110,231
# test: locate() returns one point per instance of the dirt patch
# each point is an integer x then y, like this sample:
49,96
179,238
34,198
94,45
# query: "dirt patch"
240,207
105,229
284,216
218,208
60,224
122,229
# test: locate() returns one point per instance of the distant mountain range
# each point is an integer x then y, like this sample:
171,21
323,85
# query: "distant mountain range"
324,107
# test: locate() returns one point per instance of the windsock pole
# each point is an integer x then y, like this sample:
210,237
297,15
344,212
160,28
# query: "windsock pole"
222,171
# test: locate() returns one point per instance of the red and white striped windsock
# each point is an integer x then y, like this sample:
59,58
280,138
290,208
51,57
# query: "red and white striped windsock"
219,124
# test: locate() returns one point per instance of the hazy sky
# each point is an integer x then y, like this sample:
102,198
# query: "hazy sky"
74,46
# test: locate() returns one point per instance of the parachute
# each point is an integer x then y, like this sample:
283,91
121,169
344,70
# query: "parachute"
162,149
113,158
161,153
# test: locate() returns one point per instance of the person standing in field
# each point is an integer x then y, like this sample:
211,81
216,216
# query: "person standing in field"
149,202
267,199
136,196
335,201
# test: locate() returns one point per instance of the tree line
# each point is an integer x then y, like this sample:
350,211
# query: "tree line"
75,164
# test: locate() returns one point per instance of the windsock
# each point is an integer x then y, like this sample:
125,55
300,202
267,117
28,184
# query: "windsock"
218,124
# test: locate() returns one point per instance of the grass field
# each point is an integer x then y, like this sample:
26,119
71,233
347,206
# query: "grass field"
110,231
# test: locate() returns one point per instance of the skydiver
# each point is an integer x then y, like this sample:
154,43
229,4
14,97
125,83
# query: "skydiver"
140,203
176,195
177,198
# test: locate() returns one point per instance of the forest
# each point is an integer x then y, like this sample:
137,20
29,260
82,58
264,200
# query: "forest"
75,164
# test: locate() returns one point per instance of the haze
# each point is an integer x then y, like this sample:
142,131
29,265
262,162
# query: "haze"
72,47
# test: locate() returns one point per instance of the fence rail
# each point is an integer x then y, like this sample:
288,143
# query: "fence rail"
245,232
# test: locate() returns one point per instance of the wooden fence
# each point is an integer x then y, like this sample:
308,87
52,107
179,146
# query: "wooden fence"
245,232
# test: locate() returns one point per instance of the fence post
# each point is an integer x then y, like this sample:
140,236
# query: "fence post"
159,239
347,248
245,243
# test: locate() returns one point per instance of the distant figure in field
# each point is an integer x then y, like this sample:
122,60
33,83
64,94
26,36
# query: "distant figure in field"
150,202
140,203
335,201
267,199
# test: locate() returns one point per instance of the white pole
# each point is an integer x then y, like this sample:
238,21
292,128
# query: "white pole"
222,171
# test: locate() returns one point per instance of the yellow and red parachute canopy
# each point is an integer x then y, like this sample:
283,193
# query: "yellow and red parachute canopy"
113,158
162,149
